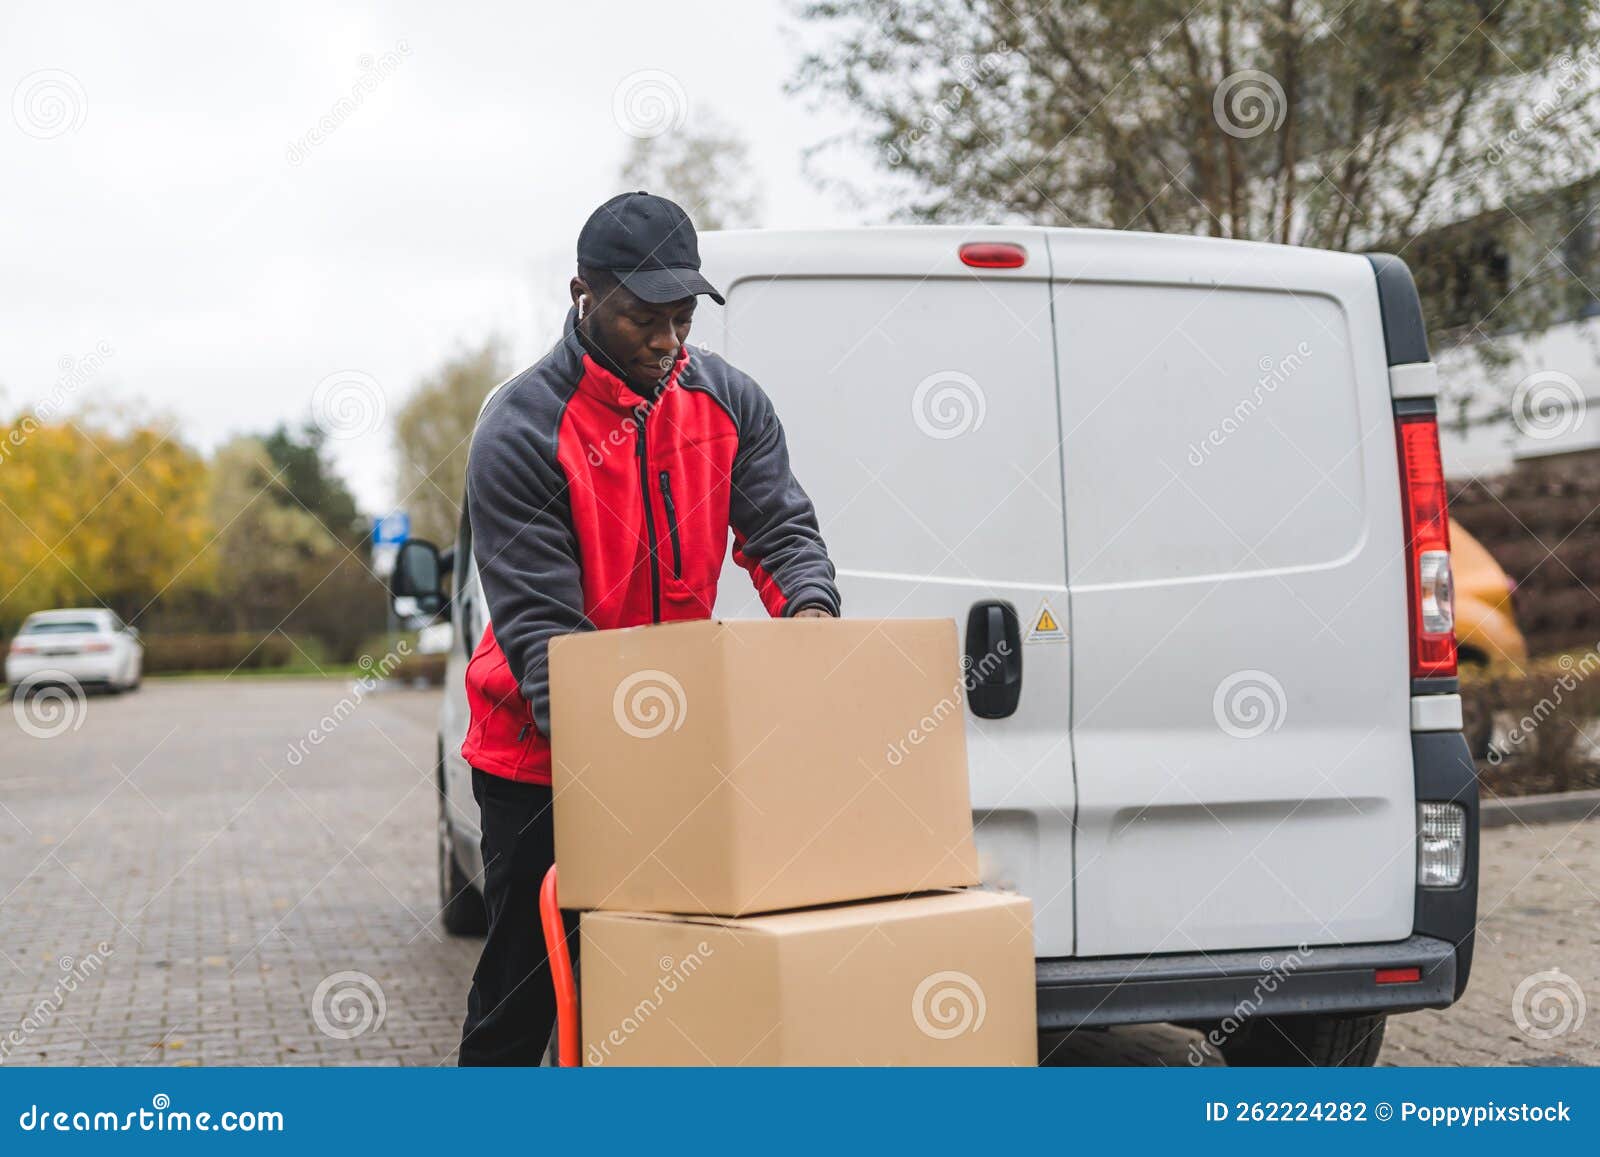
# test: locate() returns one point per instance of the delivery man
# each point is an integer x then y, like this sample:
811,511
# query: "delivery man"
602,487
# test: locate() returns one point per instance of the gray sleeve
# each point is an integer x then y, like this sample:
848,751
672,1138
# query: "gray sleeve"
527,554
774,523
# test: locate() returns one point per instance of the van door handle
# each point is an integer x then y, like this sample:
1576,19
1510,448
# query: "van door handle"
993,661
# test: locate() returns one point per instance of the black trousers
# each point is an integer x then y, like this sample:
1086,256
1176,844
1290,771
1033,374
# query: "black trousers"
511,1008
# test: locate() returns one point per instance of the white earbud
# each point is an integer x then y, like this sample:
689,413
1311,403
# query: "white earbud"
581,300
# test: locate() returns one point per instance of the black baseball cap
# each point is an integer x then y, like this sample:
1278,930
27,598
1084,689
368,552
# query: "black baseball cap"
649,244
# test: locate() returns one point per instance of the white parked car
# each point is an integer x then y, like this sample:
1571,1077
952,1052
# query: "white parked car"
90,647
1198,482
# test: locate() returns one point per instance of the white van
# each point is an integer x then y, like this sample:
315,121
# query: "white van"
1198,482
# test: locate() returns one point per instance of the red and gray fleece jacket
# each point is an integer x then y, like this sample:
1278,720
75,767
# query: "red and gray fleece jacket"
593,508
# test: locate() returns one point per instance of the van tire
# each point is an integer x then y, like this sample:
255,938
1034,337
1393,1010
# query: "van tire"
1301,1041
461,909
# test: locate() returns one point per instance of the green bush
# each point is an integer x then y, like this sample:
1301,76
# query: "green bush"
239,651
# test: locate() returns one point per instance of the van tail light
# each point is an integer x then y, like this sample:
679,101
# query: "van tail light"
993,255
23,648
1429,595
96,648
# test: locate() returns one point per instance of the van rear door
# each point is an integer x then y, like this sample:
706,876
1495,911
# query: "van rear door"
1241,685
918,394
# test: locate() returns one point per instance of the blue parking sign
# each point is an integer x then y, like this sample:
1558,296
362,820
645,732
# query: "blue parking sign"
392,529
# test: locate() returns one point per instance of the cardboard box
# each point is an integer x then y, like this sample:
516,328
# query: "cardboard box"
730,768
940,979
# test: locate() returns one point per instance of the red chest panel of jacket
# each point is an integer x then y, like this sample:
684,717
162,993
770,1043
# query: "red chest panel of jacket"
648,489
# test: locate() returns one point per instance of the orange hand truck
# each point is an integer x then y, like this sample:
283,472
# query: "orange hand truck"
569,1049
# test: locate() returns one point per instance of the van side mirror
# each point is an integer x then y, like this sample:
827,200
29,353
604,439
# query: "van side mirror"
419,576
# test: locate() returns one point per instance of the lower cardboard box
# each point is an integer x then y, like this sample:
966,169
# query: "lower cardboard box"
942,978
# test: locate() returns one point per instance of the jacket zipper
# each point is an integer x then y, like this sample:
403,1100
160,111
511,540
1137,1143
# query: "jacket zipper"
672,524
650,529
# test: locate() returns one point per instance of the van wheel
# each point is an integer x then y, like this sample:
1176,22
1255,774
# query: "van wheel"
1301,1041
461,909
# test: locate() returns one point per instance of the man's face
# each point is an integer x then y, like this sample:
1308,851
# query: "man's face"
641,337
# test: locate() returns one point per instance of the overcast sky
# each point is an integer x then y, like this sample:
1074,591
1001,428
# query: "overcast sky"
167,193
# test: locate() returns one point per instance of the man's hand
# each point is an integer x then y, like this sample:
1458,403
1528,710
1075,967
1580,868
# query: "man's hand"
813,613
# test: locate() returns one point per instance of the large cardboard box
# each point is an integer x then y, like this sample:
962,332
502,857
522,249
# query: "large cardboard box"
941,979
739,767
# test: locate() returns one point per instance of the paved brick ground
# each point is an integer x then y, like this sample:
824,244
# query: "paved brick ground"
1539,913
230,866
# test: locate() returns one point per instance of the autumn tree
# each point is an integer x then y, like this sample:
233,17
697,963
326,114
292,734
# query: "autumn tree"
1350,124
433,433
705,168
278,567
305,477
111,514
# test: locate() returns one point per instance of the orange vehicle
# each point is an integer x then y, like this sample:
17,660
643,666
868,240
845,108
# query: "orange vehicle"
1486,629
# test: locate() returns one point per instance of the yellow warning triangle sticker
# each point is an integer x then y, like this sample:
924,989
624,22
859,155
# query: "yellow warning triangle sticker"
1046,627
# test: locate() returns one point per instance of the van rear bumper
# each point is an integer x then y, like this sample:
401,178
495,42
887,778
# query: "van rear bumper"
1107,990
